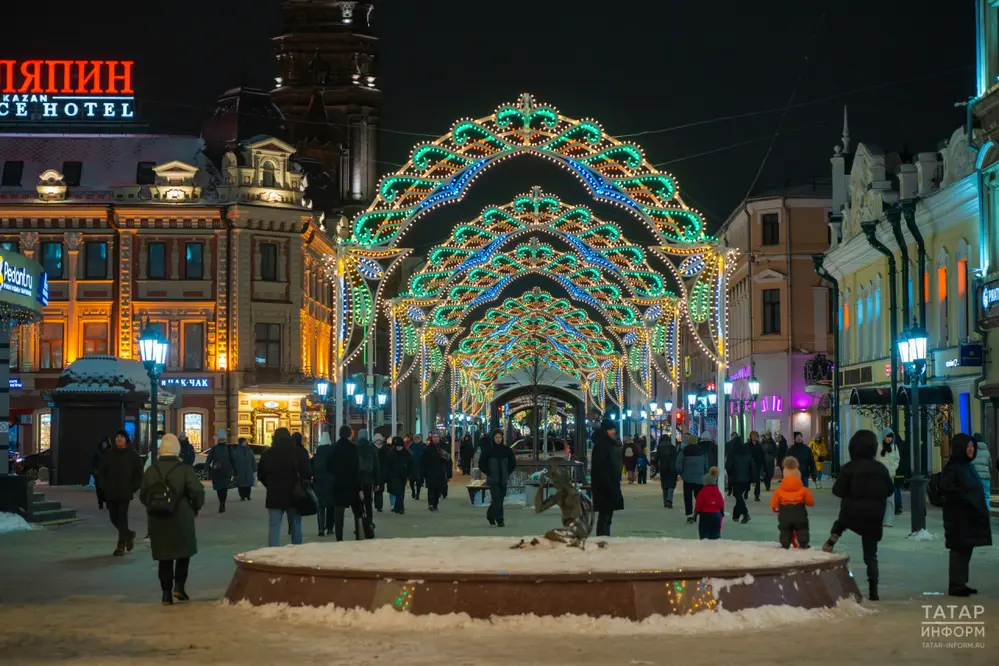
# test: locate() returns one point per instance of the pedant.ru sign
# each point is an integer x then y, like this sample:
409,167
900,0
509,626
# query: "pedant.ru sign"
40,91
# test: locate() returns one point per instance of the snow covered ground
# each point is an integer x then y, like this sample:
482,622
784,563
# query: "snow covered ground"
11,522
494,555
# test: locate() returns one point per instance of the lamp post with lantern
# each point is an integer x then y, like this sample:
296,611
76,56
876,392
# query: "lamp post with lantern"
754,393
153,350
912,351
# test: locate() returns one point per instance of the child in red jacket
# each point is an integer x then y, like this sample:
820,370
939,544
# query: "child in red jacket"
709,508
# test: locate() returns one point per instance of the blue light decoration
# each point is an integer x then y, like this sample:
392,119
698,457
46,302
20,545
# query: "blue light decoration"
492,293
503,328
600,187
590,255
369,268
578,293
440,339
630,337
453,188
692,265
415,314
569,328
653,313
483,255
559,346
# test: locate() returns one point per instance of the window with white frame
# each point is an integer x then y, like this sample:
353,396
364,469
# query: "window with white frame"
879,347
861,327
943,305
962,279
870,325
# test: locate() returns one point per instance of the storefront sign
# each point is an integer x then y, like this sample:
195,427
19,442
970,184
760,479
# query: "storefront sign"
187,382
971,355
990,298
23,283
66,90
16,383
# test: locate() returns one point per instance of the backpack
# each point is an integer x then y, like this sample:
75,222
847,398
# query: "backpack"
163,499
933,491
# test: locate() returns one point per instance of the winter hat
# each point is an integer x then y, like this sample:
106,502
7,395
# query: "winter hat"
379,437
607,424
220,437
324,439
362,436
711,478
169,445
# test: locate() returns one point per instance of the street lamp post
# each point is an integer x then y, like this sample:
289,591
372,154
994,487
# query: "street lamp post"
351,389
382,400
323,391
153,350
754,393
727,392
912,351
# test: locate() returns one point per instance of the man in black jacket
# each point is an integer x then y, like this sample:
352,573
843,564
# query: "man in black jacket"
665,458
345,466
806,461
497,464
433,471
283,466
605,475
759,460
741,470
120,476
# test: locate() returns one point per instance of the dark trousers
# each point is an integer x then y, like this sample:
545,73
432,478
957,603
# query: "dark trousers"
960,560
379,499
222,495
118,513
740,490
756,488
768,474
789,528
325,518
604,519
172,576
466,466
690,491
339,514
415,486
244,492
643,474
100,496
400,501
367,500
870,546
495,511
709,525
433,496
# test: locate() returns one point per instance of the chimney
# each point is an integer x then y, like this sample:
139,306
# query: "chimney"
908,181
926,167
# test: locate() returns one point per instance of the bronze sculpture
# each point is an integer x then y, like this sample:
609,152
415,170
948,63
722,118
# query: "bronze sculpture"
577,510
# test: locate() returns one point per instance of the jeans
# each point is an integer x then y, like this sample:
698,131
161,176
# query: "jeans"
690,491
494,514
170,576
960,560
604,519
668,493
222,495
118,513
889,512
244,492
804,480
740,490
709,525
274,526
324,517
898,496
400,502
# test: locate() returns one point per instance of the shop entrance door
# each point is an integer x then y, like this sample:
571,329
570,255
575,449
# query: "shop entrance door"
266,425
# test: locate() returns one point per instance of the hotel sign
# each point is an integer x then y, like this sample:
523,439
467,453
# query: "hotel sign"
23,282
39,91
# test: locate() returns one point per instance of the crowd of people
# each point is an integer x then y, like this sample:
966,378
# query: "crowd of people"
356,473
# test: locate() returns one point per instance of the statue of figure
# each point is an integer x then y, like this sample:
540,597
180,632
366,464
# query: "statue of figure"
577,509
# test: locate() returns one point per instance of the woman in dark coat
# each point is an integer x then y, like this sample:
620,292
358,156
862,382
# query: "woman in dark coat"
96,469
965,514
433,472
398,472
172,538
863,486
629,453
281,468
665,458
120,475
244,468
323,484
605,476
219,464
741,469
465,452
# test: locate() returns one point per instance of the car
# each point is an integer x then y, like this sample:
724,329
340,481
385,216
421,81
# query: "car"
30,465
203,472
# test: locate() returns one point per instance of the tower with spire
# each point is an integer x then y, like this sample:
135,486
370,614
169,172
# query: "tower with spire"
842,161
327,89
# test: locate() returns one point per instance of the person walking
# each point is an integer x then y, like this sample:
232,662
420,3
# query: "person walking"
383,450
173,496
219,464
769,446
120,476
709,449
369,476
416,448
782,449
244,468
965,513
398,472
741,470
759,462
983,464
709,508
691,466
888,456
806,463
187,453
433,472
863,486
819,453
95,469
344,464
665,457
605,476
322,484
497,463
629,453
465,453
283,466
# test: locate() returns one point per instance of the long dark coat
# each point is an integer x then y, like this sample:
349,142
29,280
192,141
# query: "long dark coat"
432,468
244,466
219,464
281,466
666,463
965,514
344,464
173,537
398,470
120,473
806,460
322,483
863,486
605,473
498,466
740,466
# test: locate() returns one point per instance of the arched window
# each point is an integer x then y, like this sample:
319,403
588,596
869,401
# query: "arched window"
943,308
267,178
962,279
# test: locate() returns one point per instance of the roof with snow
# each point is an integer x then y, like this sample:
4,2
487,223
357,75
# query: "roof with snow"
103,374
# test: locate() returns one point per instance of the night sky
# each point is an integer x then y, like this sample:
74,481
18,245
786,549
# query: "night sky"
633,66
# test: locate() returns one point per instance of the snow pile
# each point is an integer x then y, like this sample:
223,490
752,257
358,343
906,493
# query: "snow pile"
486,555
104,374
719,585
11,522
386,620
922,535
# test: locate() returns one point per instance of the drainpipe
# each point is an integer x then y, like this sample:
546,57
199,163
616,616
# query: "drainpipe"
790,320
818,259
871,231
227,375
752,307
909,213
894,216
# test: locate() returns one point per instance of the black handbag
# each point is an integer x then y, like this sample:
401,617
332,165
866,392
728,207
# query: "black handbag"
304,498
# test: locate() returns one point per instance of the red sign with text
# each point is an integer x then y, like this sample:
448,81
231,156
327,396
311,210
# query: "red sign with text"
66,90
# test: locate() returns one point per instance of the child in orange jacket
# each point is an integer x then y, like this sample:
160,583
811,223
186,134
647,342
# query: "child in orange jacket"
789,502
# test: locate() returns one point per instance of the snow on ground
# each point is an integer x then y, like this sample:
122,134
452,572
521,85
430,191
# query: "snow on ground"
386,619
494,555
922,535
11,522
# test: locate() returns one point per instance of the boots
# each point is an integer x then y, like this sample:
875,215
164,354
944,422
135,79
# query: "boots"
872,590
167,599
179,593
119,550
130,542
830,543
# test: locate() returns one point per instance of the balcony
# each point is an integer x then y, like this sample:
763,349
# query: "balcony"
986,113
819,374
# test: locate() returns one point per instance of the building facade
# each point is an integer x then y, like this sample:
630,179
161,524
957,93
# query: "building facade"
884,202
